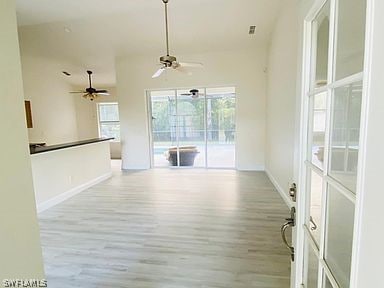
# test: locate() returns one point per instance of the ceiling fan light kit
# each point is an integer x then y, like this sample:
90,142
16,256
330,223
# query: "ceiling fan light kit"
90,92
169,61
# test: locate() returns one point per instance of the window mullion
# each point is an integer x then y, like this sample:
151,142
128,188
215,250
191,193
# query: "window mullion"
329,91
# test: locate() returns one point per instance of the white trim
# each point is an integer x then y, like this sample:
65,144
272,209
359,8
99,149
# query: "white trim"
357,232
281,191
311,241
339,187
302,171
338,83
150,127
256,168
328,273
315,9
70,193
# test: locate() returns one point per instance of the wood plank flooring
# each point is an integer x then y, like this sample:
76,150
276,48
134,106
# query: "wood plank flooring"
168,229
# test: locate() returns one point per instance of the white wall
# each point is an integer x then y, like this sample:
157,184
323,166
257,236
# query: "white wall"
87,120
53,108
19,233
243,69
282,96
60,174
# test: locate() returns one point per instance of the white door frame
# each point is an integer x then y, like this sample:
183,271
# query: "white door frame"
300,169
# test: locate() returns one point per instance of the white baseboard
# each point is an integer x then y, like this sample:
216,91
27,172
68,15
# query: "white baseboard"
281,191
70,193
256,168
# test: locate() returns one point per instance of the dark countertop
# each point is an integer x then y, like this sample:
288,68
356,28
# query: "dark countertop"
42,149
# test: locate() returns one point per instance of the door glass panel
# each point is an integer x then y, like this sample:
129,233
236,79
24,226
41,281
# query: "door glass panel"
314,222
318,124
163,107
339,237
350,37
221,127
191,131
326,282
321,36
312,268
345,134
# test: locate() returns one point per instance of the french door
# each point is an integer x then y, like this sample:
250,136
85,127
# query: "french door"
331,126
193,129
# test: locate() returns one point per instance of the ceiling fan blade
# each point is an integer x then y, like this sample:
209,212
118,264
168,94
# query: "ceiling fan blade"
191,64
78,92
183,70
158,72
101,91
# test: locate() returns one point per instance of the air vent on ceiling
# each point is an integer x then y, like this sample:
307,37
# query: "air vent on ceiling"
252,30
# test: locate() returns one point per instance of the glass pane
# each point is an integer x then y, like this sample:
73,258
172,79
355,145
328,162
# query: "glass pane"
110,130
350,37
326,282
344,149
317,132
312,268
191,131
314,222
338,248
221,127
321,36
163,106
108,112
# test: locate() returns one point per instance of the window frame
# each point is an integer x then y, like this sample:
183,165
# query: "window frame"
99,121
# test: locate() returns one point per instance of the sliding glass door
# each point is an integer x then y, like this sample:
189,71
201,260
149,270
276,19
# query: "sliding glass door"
221,127
193,127
163,118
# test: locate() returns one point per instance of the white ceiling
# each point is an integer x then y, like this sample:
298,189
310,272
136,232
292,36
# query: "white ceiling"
102,30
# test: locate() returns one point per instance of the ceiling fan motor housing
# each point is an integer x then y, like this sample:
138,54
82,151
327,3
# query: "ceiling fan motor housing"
90,90
167,60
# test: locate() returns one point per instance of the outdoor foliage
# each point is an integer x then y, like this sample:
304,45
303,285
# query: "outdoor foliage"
220,117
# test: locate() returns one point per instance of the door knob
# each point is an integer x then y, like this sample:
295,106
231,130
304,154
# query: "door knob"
291,222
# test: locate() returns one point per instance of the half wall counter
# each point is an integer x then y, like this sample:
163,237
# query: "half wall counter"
61,171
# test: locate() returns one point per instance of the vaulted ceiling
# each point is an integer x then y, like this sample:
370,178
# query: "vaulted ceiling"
91,33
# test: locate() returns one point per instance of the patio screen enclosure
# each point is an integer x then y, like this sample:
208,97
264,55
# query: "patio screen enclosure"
193,130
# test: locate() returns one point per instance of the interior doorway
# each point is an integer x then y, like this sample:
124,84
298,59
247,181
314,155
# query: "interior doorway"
193,127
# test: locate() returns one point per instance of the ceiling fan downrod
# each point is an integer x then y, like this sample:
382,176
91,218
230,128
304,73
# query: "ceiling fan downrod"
166,25
89,77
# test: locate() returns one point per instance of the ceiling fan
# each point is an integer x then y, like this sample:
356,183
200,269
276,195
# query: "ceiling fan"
90,92
169,61
194,93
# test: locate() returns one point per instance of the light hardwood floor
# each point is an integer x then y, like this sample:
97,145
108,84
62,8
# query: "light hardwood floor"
168,229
